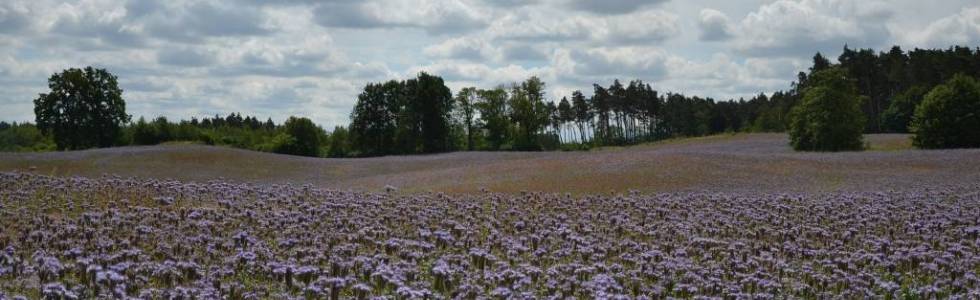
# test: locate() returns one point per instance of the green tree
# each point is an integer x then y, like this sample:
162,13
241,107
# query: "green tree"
372,128
84,109
949,116
301,137
565,114
465,100
23,137
432,103
339,142
492,105
899,114
583,114
830,117
528,112
144,133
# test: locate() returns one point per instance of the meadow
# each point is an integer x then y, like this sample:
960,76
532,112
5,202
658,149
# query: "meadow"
729,217
725,163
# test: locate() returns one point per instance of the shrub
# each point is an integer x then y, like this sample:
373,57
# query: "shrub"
144,133
949,116
303,138
830,117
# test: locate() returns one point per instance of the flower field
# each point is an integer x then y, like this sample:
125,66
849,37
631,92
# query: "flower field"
110,237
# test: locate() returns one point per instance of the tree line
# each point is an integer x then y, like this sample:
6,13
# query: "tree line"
422,115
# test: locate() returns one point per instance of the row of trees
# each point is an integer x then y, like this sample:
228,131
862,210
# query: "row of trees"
386,119
931,93
421,115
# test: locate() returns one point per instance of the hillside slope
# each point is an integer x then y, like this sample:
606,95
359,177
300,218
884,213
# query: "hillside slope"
747,162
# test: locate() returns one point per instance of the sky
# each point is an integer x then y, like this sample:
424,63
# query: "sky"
275,59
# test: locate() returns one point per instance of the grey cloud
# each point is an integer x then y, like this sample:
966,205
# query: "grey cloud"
620,62
12,19
611,6
523,52
438,18
201,20
714,26
346,14
512,3
139,8
98,35
184,58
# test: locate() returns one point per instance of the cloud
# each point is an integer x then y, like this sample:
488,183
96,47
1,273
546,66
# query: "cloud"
204,19
714,25
464,48
13,17
794,28
184,58
641,27
640,62
435,17
523,52
962,28
611,6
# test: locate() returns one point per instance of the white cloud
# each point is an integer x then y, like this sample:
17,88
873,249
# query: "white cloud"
464,48
434,16
962,28
793,28
642,27
611,6
714,25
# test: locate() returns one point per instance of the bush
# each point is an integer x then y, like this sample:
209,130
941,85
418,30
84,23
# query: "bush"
144,133
830,117
302,137
949,116
24,137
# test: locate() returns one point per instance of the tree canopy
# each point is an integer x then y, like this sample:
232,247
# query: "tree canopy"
83,109
949,116
829,118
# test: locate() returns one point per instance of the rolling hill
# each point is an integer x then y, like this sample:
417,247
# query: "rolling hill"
744,162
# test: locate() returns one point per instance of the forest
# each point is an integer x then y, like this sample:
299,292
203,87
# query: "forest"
422,115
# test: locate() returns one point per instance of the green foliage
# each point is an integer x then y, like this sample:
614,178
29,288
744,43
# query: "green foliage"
898,116
403,117
492,105
372,128
144,133
300,137
829,118
431,102
339,145
465,102
23,138
949,116
84,109
528,112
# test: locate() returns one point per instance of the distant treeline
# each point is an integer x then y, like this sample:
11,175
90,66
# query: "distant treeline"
233,130
422,115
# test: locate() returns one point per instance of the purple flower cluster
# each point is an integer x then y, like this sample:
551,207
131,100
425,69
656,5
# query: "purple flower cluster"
76,238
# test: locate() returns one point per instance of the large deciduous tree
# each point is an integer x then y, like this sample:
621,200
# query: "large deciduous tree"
84,109
949,116
830,117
